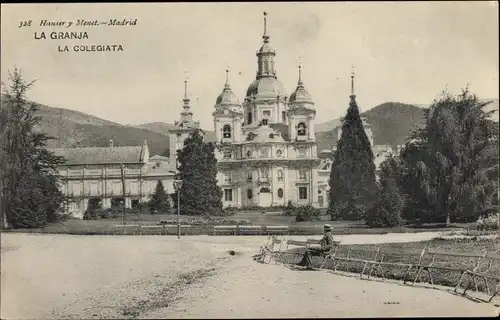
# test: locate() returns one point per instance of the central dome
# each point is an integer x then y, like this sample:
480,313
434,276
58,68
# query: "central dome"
266,87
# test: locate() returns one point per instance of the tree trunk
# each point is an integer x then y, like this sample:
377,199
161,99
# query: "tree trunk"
447,218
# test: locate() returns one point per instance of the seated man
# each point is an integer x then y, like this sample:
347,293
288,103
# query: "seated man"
326,244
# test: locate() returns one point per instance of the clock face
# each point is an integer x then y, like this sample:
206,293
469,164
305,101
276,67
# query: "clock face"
226,112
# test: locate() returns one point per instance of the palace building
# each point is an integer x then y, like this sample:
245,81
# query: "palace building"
266,150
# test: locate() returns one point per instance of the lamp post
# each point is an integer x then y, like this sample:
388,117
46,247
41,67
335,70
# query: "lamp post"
178,186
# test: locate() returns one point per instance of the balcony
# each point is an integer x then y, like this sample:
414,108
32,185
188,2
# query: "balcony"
303,177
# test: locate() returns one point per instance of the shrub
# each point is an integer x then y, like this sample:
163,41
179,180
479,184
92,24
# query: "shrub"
380,217
229,211
90,215
307,213
289,209
487,223
261,209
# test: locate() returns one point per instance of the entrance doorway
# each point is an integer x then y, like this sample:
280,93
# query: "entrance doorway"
320,200
117,203
265,197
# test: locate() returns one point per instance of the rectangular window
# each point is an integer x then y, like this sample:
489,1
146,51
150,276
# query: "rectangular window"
302,193
117,187
267,113
77,188
283,115
228,194
94,188
227,177
249,176
280,175
302,175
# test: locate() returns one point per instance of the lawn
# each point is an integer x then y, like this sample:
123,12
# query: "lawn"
410,253
104,226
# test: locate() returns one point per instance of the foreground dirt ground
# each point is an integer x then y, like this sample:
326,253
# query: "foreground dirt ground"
60,276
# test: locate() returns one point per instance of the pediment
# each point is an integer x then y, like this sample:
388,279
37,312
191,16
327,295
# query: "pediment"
302,109
226,112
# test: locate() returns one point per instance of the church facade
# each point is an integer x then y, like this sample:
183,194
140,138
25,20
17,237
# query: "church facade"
266,144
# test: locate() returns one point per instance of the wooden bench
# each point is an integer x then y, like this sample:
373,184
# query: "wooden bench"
271,250
277,229
173,229
225,229
250,229
135,228
485,277
480,258
160,229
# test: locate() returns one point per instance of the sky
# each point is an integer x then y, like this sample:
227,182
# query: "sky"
402,51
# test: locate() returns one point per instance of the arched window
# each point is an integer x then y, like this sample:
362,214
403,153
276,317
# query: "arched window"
249,153
280,175
280,193
301,129
226,131
249,194
249,118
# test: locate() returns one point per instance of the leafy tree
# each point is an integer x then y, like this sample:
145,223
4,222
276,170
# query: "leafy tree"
200,193
450,163
387,212
159,200
353,188
29,190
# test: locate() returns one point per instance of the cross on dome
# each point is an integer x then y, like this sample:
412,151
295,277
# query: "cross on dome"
264,35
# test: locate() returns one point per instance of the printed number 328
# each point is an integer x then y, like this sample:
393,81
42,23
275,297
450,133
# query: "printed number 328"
24,23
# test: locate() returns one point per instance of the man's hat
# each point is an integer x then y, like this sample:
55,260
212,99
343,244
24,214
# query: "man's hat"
327,226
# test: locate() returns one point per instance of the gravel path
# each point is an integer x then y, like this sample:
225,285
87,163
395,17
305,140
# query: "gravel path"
246,290
75,277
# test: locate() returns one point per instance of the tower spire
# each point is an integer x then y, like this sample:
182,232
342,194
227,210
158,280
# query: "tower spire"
352,81
265,37
227,78
186,86
186,114
300,83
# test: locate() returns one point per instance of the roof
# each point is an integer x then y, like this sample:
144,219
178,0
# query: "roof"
227,97
265,134
157,157
101,155
162,171
300,95
281,128
266,87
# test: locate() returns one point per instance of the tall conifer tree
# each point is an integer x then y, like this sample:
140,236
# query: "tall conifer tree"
29,193
353,187
200,193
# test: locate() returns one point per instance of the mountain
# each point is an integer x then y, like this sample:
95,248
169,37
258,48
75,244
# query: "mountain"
391,123
163,128
77,129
